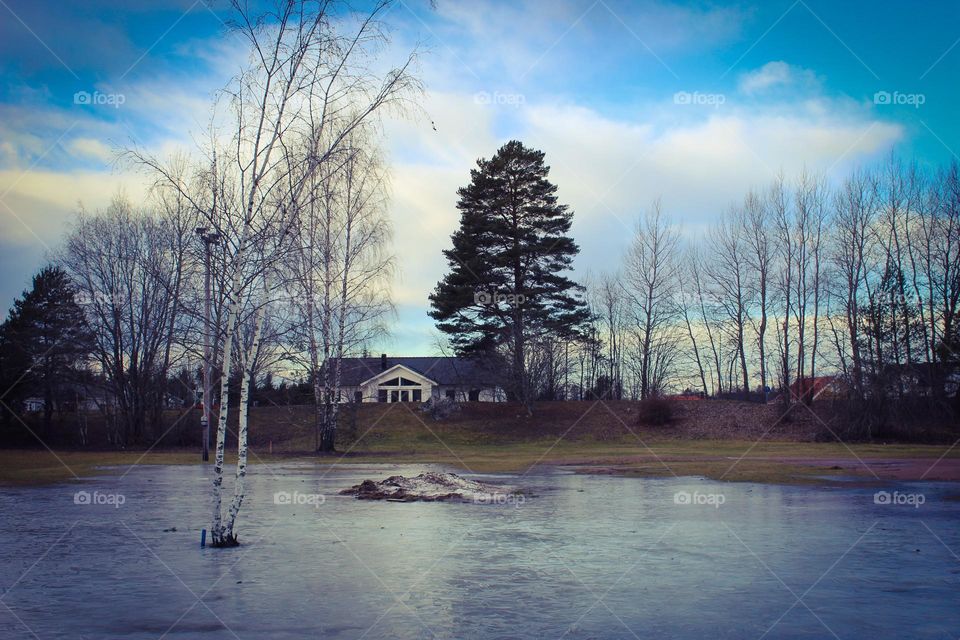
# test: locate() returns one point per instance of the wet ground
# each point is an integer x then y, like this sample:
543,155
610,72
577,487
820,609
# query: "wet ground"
578,556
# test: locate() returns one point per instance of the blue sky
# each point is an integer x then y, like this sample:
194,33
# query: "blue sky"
690,102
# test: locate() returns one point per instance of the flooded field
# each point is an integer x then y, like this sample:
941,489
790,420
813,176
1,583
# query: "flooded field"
576,557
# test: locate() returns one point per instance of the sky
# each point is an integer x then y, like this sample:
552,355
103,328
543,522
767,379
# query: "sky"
693,103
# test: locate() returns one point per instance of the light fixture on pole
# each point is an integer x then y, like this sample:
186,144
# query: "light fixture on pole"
208,238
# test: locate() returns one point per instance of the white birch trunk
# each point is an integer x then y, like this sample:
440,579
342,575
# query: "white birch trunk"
242,430
217,530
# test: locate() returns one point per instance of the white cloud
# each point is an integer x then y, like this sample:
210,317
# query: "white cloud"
609,170
91,148
39,205
778,74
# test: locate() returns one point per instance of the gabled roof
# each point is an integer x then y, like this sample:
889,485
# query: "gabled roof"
442,370
398,368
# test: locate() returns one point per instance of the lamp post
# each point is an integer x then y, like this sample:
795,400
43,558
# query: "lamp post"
208,238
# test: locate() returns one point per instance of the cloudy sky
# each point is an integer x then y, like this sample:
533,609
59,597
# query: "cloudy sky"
693,103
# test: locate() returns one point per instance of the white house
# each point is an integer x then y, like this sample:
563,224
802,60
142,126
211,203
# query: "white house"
417,379
33,404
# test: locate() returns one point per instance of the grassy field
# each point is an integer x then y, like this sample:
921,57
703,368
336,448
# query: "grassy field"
721,440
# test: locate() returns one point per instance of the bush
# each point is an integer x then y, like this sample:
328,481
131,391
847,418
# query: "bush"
440,408
655,411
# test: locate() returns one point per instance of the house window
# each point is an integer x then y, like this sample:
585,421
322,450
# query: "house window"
358,396
451,394
404,396
381,395
417,395
394,396
474,395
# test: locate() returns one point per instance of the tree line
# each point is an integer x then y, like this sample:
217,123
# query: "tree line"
803,287
857,281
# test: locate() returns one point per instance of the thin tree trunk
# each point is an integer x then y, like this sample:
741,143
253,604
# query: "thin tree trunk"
242,425
233,310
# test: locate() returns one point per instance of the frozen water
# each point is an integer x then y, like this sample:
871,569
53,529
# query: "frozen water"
579,556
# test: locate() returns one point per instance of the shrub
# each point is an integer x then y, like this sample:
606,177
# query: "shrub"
440,408
655,411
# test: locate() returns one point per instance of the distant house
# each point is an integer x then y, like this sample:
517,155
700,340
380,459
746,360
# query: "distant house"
814,388
71,397
687,395
33,404
417,379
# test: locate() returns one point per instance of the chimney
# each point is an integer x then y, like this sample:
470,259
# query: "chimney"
383,362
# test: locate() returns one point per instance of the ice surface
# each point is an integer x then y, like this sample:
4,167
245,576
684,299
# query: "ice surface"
586,556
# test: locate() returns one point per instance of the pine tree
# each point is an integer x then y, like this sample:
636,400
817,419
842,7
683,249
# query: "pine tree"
506,290
44,341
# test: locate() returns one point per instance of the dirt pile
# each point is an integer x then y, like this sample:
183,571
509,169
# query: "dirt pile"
430,487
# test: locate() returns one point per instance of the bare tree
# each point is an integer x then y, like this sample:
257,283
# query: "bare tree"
728,275
760,257
809,215
129,266
341,272
608,300
650,270
944,259
854,216
779,201
688,303
710,324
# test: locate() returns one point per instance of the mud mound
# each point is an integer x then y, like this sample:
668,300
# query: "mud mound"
430,487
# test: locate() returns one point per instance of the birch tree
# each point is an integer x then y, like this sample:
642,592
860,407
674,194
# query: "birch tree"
309,85
341,270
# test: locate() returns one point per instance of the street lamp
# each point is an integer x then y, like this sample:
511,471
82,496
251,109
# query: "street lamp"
208,238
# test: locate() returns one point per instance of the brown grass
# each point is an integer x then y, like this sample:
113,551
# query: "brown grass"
724,440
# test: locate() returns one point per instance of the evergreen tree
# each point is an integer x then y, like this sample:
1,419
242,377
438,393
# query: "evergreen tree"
44,341
506,291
